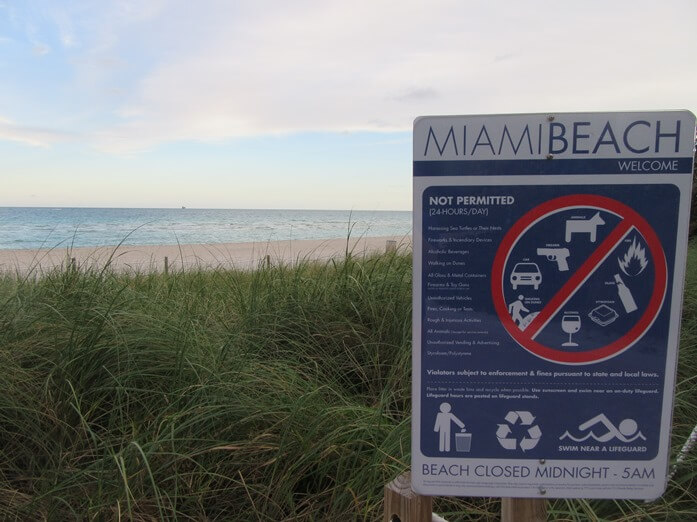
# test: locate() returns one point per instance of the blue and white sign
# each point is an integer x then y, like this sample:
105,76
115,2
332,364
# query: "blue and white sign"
549,262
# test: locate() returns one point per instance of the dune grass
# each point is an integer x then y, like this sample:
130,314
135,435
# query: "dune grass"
278,394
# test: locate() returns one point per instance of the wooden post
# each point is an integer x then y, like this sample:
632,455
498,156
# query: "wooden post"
268,261
390,246
166,265
73,264
523,510
403,505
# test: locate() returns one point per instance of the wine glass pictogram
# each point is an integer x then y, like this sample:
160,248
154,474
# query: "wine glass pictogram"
570,323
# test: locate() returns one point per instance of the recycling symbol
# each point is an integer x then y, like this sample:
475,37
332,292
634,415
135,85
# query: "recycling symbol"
528,438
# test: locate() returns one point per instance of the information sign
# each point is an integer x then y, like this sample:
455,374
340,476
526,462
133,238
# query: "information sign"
549,262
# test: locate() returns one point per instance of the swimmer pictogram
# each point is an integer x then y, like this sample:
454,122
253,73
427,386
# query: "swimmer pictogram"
627,431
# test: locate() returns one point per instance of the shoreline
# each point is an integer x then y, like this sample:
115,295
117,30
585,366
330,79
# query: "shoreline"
151,258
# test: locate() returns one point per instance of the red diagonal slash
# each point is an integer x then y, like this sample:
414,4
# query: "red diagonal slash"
578,278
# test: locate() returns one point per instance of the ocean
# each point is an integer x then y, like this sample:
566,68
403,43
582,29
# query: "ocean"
32,227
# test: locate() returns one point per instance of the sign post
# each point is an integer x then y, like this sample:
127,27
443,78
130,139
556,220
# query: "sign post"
549,260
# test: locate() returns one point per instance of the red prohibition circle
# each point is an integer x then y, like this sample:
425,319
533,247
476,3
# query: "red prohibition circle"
551,207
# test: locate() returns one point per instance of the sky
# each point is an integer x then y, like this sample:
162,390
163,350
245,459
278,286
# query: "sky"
276,104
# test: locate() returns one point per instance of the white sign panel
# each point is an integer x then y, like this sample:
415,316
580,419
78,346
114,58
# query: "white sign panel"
549,259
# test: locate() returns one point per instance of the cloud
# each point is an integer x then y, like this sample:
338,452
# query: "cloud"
36,137
244,69
66,33
294,68
41,49
175,70
503,57
417,95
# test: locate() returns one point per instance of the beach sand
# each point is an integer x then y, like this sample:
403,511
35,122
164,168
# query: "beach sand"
243,256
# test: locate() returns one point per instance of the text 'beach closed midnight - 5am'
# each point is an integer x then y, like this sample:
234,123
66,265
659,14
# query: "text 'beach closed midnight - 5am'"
549,259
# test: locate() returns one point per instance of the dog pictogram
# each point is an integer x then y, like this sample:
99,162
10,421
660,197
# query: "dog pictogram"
584,226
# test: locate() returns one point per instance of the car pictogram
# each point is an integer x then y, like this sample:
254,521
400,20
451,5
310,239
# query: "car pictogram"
526,274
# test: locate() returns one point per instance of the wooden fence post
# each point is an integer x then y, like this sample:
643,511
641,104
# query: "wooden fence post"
523,510
403,505
390,246
166,265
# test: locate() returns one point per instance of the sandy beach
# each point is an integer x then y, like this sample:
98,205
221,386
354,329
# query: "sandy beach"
220,255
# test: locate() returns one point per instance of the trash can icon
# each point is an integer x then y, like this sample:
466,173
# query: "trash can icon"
463,442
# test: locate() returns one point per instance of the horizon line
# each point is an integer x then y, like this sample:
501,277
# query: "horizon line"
202,208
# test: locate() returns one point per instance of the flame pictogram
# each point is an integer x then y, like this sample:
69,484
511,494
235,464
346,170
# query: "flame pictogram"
634,261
